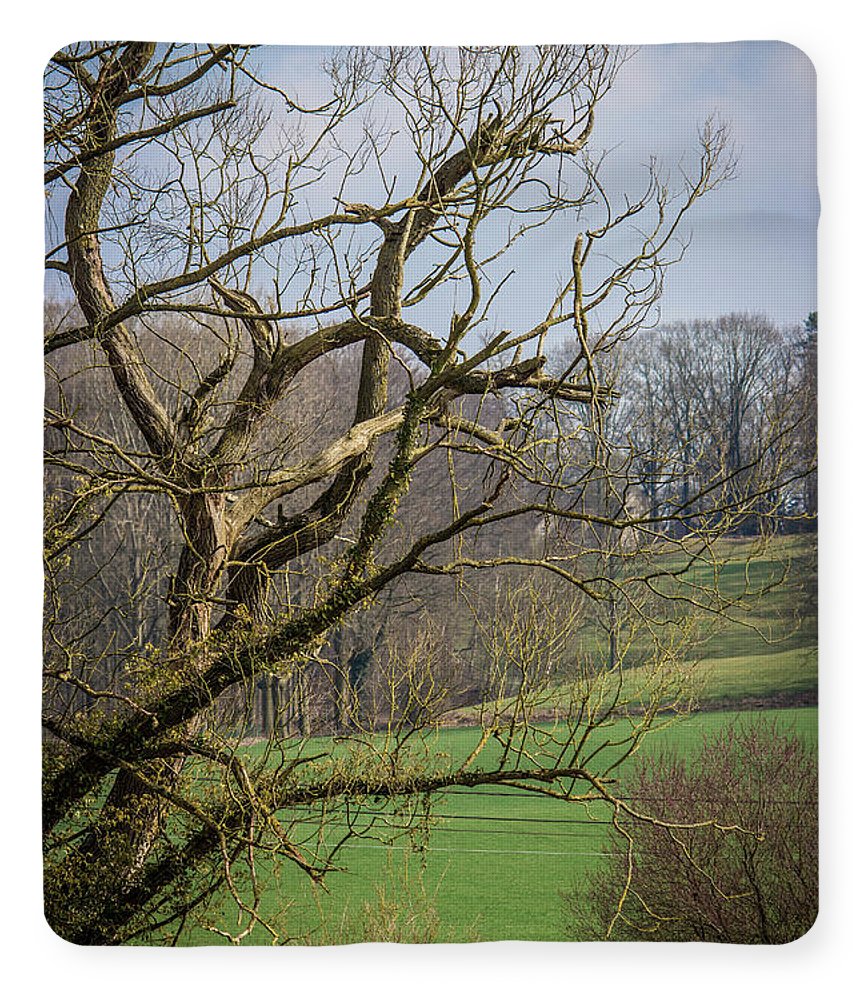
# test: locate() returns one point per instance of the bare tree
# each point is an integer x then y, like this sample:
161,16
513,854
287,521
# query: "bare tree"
808,391
230,248
719,405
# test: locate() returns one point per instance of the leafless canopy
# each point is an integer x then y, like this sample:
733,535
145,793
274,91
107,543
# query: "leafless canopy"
279,393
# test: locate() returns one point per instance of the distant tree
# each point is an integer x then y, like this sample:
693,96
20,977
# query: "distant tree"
720,405
809,391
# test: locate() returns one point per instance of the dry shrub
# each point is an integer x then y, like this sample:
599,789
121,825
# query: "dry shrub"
736,859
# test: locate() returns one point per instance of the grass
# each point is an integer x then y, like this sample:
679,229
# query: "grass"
492,860
764,652
489,868
768,649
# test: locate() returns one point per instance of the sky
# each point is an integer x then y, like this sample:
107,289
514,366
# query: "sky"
753,242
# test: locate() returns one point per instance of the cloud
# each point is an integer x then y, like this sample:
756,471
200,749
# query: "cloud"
766,90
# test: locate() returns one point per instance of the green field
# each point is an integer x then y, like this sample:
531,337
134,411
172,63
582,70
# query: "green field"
762,652
490,868
491,861
768,648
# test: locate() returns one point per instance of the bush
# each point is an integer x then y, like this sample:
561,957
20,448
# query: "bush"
736,858
402,910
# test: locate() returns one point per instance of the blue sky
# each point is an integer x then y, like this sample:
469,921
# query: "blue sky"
754,244
754,241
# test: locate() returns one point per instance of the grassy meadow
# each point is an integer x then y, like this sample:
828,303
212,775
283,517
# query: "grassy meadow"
489,863
489,867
